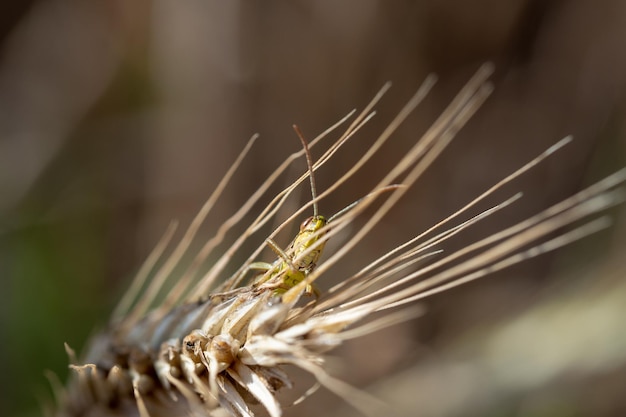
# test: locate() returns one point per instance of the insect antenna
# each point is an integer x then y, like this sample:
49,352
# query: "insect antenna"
309,163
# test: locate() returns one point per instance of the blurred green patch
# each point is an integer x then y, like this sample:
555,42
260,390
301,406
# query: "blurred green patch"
56,275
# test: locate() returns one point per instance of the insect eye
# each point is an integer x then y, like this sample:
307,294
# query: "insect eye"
305,223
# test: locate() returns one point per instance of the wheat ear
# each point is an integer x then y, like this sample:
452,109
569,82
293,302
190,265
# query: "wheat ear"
215,346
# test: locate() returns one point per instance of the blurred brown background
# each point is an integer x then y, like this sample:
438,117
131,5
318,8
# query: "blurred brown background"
117,116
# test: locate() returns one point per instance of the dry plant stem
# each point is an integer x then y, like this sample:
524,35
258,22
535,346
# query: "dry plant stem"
133,291
211,348
192,231
571,208
488,261
368,276
456,214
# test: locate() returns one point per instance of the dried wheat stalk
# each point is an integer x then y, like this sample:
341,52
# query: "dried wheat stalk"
212,348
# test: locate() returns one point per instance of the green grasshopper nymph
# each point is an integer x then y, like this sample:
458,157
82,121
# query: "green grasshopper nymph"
300,258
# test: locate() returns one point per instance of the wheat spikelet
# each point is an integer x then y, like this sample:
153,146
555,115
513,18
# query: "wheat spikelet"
217,347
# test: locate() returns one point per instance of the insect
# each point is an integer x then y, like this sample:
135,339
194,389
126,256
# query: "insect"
301,257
